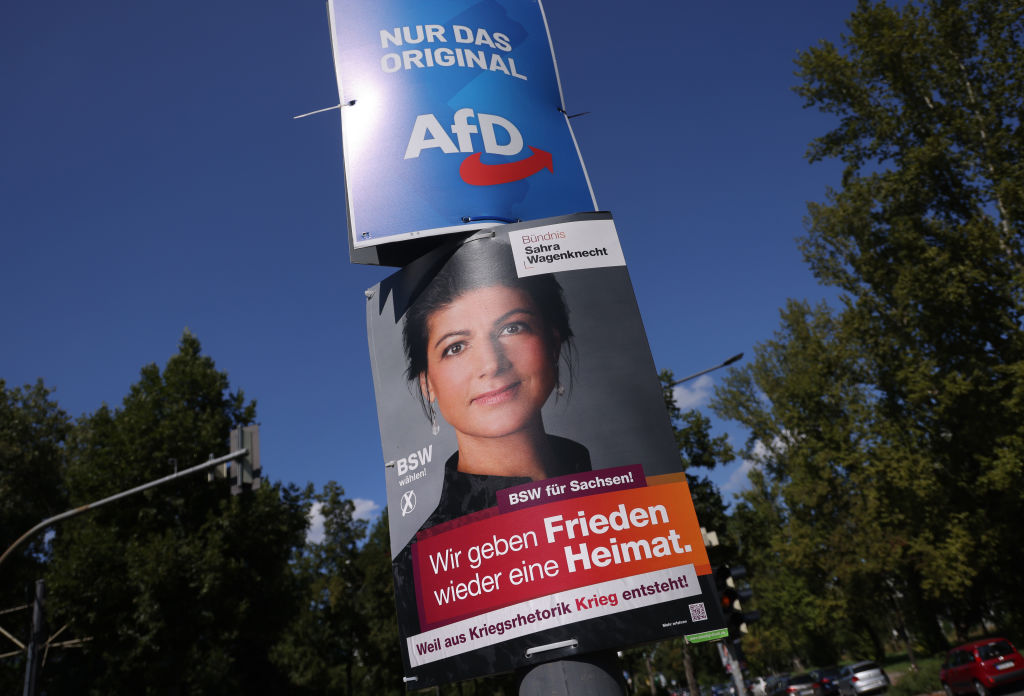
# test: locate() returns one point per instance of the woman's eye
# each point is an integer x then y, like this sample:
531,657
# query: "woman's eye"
512,329
453,349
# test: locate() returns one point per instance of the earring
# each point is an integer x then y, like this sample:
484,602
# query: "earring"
434,427
560,389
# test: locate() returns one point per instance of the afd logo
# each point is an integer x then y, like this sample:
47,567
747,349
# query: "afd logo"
428,133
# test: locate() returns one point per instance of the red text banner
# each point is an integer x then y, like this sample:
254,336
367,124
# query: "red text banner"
528,554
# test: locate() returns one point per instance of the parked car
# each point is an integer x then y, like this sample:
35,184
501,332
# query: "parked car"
862,678
980,666
828,680
802,685
723,690
795,685
776,684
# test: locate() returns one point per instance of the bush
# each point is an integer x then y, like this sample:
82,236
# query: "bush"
924,681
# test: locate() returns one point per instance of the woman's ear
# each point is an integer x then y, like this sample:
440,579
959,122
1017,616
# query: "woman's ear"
425,387
556,345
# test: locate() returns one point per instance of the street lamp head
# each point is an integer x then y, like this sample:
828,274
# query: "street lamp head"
730,361
726,362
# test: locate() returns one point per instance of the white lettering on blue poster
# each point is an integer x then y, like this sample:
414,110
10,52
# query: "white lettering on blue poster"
452,118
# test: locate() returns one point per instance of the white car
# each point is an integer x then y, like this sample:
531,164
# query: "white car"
862,678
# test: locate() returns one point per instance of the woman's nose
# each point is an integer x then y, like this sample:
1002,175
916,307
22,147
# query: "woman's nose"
493,359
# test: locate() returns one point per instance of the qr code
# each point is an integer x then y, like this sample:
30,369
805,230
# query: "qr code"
698,612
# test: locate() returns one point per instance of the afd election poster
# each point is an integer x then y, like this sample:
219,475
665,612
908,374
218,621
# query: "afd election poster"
536,505
452,118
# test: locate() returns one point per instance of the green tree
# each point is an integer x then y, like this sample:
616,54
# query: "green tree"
322,647
182,588
926,241
806,527
698,451
33,430
382,662
889,433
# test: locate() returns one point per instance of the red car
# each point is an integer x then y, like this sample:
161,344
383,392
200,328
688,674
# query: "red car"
980,666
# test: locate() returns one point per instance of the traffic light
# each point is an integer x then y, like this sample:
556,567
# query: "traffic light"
245,471
219,472
733,597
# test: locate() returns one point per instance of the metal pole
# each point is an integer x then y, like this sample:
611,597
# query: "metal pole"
35,640
117,496
691,679
732,665
727,362
595,674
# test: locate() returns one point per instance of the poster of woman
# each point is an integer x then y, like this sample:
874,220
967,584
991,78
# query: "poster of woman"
535,493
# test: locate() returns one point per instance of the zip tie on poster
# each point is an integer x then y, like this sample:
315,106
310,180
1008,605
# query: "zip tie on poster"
486,218
571,643
329,108
410,679
566,113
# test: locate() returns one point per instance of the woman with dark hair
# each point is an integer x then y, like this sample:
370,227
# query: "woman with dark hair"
483,348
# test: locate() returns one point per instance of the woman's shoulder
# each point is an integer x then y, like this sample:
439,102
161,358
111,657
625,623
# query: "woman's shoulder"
572,456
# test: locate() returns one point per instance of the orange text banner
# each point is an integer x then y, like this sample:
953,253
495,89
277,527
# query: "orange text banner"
526,554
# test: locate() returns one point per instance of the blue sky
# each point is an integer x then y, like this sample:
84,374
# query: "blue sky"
152,178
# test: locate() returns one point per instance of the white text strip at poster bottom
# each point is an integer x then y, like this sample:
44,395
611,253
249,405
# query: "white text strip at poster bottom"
554,610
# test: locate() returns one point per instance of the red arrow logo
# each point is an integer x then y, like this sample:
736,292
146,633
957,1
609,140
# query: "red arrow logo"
475,172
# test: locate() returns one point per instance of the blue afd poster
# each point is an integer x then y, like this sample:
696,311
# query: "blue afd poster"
451,117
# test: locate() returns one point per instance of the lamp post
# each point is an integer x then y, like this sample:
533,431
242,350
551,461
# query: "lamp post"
725,363
691,680
117,496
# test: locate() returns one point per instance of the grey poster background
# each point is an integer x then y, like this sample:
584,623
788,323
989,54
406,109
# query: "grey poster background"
615,407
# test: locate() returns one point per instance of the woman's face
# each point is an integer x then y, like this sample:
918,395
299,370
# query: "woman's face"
491,362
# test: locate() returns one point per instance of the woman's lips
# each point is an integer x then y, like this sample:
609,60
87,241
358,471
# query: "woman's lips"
496,396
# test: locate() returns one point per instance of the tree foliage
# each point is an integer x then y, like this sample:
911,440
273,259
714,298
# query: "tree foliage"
926,239
698,451
33,430
382,662
181,588
890,431
322,645
809,534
